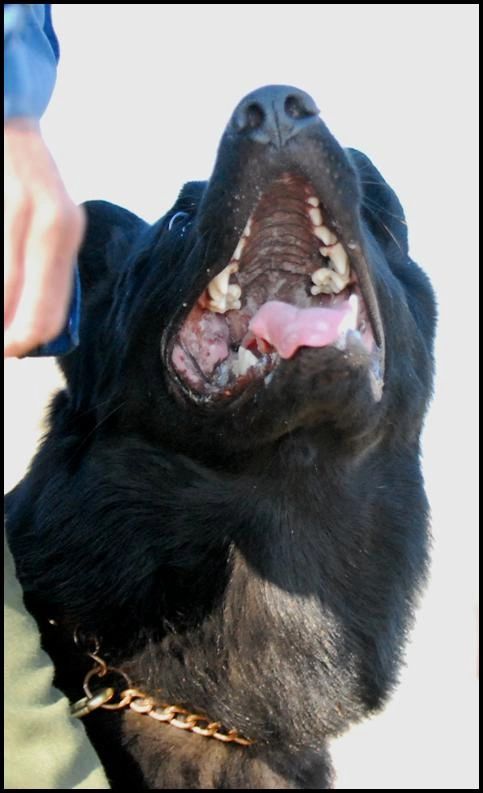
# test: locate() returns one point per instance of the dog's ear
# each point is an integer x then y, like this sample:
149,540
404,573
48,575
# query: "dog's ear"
110,233
381,208
110,230
189,197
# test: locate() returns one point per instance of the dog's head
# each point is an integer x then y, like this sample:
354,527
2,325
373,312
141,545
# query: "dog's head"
278,295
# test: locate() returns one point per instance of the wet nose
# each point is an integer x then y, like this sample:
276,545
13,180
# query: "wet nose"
274,114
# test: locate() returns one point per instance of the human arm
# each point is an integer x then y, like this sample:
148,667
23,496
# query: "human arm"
43,226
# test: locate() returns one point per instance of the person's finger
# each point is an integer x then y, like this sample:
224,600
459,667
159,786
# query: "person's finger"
54,239
17,217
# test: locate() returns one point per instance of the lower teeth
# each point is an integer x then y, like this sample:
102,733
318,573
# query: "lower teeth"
246,359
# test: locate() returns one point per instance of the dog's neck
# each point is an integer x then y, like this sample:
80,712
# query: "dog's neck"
278,622
258,587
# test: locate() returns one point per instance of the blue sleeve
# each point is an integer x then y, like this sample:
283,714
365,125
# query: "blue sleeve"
31,52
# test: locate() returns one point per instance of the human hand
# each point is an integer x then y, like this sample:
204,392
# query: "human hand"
43,232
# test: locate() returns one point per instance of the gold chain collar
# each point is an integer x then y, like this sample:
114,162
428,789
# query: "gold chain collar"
139,702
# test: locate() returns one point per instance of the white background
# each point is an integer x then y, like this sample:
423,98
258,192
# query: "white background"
143,95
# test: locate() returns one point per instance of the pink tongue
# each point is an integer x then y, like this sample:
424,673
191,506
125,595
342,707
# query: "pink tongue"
287,327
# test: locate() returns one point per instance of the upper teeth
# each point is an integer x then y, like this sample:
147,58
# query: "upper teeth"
338,259
315,216
325,234
224,296
239,249
327,281
334,279
248,227
241,242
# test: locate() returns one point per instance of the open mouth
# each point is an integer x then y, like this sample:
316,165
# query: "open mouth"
291,283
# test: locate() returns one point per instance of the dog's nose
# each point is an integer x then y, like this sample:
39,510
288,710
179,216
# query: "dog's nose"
274,114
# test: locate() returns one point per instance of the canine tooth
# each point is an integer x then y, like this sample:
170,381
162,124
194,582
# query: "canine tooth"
248,228
350,321
313,201
315,216
239,249
246,359
326,235
354,304
223,294
339,259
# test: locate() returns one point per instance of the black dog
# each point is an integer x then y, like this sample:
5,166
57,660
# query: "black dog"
228,507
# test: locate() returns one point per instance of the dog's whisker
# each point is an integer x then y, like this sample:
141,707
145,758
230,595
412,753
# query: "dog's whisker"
383,225
374,207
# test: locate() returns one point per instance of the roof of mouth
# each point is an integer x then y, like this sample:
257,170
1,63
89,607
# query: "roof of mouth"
288,284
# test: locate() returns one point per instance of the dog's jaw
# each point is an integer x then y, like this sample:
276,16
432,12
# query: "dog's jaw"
291,282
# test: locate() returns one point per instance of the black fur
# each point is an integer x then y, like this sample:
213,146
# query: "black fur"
257,559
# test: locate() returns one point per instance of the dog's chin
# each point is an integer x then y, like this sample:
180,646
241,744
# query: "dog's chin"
317,390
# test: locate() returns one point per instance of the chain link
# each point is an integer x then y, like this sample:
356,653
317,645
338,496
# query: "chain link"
141,703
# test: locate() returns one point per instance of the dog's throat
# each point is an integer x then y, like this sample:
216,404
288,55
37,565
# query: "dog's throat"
139,702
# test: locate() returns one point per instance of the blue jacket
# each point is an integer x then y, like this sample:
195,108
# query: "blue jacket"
31,53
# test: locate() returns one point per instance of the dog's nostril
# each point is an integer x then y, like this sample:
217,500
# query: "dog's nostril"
255,116
295,107
274,114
